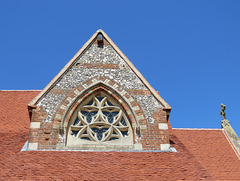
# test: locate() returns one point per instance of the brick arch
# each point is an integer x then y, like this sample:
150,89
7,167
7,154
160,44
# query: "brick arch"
73,99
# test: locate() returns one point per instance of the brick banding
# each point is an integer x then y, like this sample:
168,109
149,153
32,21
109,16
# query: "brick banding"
93,86
99,66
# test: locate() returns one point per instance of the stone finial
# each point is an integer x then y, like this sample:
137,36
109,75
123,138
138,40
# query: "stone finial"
229,130
222,112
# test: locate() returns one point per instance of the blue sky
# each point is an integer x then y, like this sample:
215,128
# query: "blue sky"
189,51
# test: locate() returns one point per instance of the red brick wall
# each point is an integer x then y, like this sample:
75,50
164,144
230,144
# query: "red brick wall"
47,136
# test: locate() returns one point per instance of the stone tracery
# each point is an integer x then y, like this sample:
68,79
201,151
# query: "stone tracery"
100,119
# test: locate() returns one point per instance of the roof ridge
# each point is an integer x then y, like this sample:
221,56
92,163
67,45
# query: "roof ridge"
199,128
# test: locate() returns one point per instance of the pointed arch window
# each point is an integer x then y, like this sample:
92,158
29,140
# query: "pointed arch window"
100,120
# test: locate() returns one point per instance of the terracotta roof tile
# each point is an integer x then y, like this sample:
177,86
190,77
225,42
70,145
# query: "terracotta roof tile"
13,110
74,165
213,150
195,160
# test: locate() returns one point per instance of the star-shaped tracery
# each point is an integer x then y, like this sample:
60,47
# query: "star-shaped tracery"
100,120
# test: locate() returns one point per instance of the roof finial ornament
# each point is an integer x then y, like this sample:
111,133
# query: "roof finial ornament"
222,112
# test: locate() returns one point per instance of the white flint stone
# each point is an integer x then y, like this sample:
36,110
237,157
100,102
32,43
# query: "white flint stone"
78,74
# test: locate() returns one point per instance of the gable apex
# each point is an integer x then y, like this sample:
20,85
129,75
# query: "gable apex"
80,52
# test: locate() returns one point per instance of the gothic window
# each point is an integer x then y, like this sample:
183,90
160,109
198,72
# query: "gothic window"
99,120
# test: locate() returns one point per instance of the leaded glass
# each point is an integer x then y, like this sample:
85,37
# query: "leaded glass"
89,115
123,122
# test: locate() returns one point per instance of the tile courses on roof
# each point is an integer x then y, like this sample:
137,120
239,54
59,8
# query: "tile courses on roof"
13,110
206,156
72,165
14,119
213,150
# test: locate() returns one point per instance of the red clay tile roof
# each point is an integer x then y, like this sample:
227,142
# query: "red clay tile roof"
213,150
13,110
202,155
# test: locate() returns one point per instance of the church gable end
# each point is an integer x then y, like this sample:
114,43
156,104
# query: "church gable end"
99,101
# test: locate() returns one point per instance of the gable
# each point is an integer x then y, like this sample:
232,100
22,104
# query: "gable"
102,64
86,46
95,62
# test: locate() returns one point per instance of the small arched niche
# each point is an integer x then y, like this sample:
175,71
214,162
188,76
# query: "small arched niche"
100,123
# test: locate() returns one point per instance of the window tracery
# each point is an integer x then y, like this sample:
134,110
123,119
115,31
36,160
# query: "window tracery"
100,119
